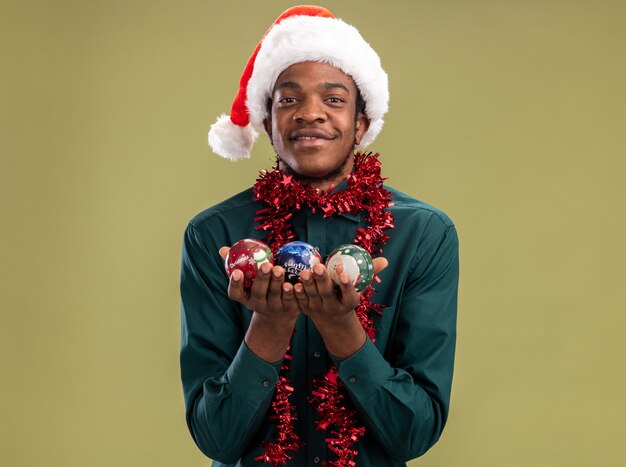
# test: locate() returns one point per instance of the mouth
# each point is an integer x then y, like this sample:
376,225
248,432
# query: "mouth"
310,135
311,138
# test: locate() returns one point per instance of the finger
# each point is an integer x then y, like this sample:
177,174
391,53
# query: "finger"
380,264
290,303
224,252
236,290
258,291
310,288
274,299
325,286
301,297
349,296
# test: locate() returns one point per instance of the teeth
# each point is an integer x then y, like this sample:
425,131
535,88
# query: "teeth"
307,137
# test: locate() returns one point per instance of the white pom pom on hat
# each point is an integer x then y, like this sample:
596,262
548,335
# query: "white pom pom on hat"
300,34
230,140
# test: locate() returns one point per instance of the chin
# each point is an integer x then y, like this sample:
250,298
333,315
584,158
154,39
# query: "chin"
317,171
313,171
315,166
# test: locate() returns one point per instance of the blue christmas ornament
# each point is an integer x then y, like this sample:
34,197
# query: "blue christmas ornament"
295,257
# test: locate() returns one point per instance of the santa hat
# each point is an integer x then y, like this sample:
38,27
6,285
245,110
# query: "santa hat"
300,34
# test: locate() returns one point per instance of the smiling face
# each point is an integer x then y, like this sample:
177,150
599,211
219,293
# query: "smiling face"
313,124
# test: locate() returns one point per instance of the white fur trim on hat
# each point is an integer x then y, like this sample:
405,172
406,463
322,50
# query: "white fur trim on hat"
330,40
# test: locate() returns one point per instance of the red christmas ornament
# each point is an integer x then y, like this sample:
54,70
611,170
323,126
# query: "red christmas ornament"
248,255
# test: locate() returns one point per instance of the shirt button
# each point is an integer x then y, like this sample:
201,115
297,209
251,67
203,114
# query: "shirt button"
317,354
266,383
352,379
316,460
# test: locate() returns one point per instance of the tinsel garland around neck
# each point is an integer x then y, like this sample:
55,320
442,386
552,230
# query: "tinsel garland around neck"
364,192
283,196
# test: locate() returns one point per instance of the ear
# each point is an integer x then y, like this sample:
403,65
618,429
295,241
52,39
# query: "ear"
361,125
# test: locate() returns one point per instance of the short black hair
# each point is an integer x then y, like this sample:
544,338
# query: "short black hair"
360,103
359,108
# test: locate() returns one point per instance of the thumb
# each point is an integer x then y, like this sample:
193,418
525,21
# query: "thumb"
224,252
380,264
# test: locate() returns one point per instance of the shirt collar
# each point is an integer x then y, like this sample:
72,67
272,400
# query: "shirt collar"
355,217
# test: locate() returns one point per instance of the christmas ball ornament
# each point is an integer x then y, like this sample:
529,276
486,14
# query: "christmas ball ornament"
248,255
354,261
295,257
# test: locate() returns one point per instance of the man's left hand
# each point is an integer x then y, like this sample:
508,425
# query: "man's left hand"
333,312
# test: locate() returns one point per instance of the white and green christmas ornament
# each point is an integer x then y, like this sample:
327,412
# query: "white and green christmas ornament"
355,261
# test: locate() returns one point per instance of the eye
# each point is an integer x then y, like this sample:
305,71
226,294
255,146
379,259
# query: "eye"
335,100
287,100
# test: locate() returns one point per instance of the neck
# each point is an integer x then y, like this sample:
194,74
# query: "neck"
324,185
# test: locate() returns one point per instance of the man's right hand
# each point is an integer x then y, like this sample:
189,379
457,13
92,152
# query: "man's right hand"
269,296
275,308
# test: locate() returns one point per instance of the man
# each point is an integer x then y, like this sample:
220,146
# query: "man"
305,374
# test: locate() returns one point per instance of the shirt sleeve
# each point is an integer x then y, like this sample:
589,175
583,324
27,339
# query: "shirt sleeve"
227,388
404,399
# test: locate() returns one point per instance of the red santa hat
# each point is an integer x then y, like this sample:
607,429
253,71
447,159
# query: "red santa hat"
300,34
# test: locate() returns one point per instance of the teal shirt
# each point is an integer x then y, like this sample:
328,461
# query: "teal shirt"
399,384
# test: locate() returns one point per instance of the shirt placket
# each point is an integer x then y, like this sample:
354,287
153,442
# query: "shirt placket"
316,356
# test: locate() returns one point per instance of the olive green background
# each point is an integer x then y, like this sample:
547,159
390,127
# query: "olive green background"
510,116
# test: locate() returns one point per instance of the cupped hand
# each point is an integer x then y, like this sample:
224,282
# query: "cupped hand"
319,299
270,296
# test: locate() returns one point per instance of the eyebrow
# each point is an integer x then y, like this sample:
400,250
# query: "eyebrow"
288,84
294,85
336,85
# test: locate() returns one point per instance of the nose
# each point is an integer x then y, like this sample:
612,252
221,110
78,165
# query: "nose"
310,110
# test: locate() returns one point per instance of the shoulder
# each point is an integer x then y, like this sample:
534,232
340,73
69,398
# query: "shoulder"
411,211
227,221
237,206
423,233
420,229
